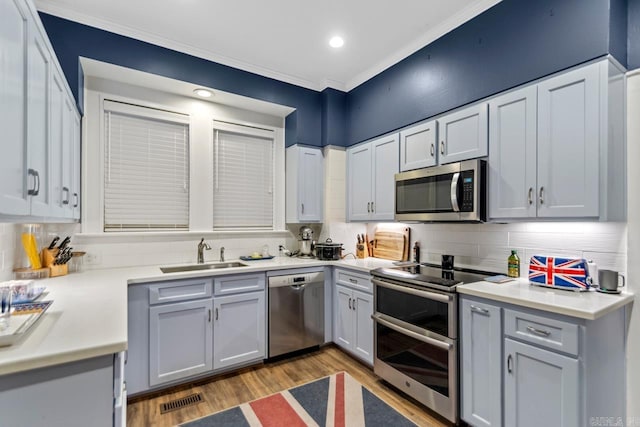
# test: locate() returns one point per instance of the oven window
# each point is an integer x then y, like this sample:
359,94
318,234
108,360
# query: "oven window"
421,312
427,364
424,195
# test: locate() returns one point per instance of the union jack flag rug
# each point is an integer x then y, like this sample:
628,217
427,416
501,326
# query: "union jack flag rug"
561,273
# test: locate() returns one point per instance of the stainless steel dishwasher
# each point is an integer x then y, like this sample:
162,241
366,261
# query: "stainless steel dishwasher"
296,312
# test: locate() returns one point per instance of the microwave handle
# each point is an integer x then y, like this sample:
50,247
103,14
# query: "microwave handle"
454,192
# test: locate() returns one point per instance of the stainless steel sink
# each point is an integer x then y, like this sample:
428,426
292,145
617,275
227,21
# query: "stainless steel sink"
197,267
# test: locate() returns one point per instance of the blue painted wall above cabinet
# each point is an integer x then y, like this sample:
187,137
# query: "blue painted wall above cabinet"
514,42
72,40
633,27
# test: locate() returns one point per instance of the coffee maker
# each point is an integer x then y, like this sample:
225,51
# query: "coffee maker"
306,242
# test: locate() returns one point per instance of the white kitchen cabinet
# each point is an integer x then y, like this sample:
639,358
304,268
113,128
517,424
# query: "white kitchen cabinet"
33,94
14,24
481,367
371,168
418,146
352,325
568,144
76,163
512,159
557,147
239,332
552,367
463,134
67,157
304,184
541,387
180,340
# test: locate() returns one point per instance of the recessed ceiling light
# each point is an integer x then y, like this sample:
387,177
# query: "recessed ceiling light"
336,41
203,93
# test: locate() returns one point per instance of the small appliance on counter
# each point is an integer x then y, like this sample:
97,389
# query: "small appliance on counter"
328,250
559,273
306,242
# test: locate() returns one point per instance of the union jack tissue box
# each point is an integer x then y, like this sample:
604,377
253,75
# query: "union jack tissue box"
560,273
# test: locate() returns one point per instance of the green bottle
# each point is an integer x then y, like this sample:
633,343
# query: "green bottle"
513,265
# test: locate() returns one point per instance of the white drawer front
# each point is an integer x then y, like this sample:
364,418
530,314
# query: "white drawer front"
550,333
180,290
354,280
239,283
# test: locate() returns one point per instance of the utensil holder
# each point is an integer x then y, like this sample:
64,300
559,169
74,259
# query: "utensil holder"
48,259
360,252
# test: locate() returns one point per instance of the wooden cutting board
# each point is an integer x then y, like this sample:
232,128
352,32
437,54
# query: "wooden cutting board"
391,244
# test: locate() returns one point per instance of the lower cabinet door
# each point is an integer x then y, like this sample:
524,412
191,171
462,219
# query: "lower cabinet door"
180,340
363,309
239,329
343,318
481,355
542,388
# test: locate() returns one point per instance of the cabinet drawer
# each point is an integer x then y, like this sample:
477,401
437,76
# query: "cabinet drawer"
238,283
550,333
180,290
354,280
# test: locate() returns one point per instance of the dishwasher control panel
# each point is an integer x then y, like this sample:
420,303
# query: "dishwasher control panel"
296,279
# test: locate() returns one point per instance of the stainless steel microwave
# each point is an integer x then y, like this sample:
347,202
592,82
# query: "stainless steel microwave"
456,192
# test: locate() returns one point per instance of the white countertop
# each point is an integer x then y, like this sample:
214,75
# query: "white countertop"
88,317
585,305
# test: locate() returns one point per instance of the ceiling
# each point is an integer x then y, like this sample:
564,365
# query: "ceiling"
282,39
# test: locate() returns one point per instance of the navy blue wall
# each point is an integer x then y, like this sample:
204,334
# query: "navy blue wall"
334,112
633,23
618,34
72,40
512,43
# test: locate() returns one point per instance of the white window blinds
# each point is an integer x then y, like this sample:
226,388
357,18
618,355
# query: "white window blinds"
146,169
243,177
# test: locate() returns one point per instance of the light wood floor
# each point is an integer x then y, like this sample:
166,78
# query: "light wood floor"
252,383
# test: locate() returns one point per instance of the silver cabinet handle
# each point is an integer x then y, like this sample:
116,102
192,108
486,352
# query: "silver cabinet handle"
479,310
303,208
510,364
433,149
77,200
350,304
353,304
36,182
369,207
538,331
530,196
372,207
209,315
442,147
353,280
217,313
541,195
66,199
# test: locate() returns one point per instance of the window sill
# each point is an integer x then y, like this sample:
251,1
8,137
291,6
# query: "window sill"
173,236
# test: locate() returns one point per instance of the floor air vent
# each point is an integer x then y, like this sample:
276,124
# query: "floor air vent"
183,402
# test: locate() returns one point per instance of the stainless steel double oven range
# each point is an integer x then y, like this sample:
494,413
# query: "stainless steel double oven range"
416,333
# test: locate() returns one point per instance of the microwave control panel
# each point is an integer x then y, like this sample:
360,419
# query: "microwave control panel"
467,179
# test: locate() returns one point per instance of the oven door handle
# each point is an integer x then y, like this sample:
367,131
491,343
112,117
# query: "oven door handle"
428,340
424,294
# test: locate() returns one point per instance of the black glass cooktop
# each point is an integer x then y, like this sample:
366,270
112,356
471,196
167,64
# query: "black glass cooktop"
430,276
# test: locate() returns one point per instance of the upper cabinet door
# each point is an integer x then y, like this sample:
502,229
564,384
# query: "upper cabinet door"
310,190
56,105
68,121
13,65
77,162
568,141
418,147
463,135
359,181
512,158
39,63
385,166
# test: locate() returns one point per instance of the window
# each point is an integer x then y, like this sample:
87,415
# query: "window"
146,182
243,177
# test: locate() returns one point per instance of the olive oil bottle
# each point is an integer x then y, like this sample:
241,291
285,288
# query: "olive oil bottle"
513,264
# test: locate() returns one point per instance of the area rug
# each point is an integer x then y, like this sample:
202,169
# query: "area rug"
337,400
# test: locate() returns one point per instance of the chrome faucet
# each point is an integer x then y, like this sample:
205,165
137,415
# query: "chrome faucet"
201,247
221,253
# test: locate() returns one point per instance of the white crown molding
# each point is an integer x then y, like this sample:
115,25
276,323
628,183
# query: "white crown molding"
92,21
435,33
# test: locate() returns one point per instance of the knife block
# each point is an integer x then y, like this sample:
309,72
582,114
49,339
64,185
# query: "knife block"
48,259
360,251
